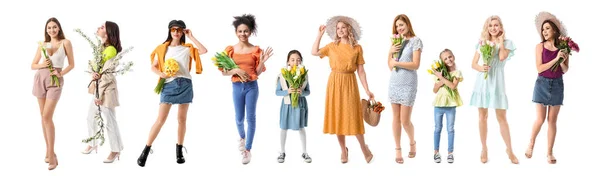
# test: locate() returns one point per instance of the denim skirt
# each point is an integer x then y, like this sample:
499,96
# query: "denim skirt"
549,91
178,91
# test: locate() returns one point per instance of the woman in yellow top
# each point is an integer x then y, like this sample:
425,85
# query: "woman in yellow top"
178,88
446,103
107,97
343,113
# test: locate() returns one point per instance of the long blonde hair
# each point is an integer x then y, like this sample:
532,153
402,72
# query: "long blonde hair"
350,31
485,33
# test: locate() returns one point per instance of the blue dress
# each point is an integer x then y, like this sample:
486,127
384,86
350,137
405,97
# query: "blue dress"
403,82
293,118
491,92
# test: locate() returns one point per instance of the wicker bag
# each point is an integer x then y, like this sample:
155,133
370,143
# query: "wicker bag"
369,115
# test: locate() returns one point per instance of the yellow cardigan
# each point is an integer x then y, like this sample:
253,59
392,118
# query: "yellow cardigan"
161,50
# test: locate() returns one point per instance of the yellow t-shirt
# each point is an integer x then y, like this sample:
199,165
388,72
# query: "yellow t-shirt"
443,98
108,53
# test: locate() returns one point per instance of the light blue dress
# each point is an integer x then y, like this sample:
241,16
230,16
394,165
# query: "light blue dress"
491,92
293,118
403,82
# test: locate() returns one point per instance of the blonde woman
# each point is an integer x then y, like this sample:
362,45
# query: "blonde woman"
490,92
343,115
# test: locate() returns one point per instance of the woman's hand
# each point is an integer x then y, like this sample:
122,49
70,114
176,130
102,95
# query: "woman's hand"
395,48
242,74
56,73
371,95
95,76
322,30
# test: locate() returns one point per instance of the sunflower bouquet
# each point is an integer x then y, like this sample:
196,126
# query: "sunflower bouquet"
295,77
54,79
171,68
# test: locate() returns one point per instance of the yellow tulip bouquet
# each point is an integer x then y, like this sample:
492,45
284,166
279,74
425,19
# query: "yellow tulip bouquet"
440,66
295,77
223,61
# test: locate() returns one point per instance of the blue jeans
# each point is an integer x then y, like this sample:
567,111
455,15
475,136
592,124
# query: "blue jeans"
245,96
438,117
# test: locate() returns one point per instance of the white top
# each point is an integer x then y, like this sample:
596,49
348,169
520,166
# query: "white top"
182,55
58,57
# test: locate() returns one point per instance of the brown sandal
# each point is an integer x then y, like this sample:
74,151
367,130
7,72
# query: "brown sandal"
399,160
412,146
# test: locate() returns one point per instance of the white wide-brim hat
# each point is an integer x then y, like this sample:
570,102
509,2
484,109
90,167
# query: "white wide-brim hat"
331,26
543,16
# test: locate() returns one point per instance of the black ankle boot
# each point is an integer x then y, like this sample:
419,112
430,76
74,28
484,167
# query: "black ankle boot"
142,159
179,154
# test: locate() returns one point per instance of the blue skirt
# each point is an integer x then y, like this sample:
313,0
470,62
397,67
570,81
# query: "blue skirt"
548,91
178,91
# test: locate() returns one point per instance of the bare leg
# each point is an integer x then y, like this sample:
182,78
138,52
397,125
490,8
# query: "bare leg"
41,102
47,116
364,147
163,111
537,126
483,115
405,115
552,118
182,117
505,132
342,141
397,128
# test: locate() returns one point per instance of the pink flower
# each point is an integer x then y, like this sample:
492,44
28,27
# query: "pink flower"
574,46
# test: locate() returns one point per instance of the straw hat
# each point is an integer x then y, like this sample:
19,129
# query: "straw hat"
331,26
543,16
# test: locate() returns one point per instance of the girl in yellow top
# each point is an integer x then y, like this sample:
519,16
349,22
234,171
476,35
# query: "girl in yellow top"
444,103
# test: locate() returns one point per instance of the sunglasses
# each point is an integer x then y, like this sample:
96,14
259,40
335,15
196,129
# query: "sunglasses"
176,29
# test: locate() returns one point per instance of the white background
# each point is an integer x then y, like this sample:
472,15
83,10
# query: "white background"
212,137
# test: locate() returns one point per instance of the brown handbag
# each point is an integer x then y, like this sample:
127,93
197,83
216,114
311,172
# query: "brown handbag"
369,115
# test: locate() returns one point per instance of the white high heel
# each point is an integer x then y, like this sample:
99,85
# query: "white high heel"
113,159
94,148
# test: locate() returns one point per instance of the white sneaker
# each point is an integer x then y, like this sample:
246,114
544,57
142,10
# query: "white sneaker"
246,158
242,145
307,158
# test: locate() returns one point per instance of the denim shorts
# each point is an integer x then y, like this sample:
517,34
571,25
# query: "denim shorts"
549,91
178,91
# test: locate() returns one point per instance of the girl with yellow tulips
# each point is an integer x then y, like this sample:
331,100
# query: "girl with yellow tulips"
178,86
293,117
446,101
